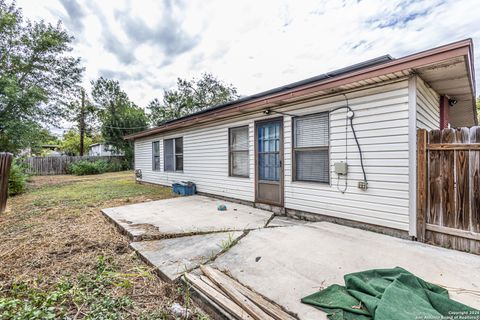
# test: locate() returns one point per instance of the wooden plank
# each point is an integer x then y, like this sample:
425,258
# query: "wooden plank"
475,181
207,280
252,309
273,310
453,231
228,305
454,146
468,245
462,182
422,187
435,180
5,165
447,163
434,213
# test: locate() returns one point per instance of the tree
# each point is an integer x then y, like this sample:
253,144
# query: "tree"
32,136
118,115
191,96
37,75
43,137
108,96
70,144
83,113
115,127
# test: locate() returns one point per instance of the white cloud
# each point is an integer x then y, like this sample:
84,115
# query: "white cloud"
255,45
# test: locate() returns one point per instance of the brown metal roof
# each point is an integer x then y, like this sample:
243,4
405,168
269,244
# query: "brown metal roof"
365,70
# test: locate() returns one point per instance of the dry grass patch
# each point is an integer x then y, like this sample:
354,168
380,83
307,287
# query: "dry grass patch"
59,257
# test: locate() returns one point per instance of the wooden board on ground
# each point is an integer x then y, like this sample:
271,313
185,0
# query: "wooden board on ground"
212,293
270,308
247,305
236,299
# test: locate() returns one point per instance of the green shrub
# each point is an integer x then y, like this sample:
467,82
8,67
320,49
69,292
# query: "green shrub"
17,180
84,167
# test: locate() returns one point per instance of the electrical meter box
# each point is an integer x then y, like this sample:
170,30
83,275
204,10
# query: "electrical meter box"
341,168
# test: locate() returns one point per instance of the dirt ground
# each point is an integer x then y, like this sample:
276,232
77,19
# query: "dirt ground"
54,242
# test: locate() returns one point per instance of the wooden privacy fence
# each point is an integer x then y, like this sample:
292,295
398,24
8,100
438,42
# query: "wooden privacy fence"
448,193
59,165
5,163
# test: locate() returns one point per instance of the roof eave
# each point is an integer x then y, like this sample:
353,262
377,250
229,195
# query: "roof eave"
460,48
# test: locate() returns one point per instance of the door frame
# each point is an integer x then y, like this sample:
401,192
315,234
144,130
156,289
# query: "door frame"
280,120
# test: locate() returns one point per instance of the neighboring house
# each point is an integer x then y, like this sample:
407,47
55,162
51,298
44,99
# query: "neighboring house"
284,148
44,150
102,149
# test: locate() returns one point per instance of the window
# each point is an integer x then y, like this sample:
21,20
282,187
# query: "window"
311,148
173,154
238,152
156,156
178,154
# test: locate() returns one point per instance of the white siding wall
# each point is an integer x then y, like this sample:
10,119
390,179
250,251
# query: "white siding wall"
381,122
428,106
205,161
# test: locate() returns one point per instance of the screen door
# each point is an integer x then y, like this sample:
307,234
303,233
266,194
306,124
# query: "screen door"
269,161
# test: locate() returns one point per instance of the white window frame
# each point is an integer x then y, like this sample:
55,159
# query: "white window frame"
175,154
153,156
230,152
295,149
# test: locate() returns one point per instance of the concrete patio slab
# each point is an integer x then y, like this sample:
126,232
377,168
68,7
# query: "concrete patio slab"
185,216
285,264
173,257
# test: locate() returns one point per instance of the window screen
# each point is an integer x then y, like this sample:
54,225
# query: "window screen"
168,155
238,151
173,154
156,156
311,148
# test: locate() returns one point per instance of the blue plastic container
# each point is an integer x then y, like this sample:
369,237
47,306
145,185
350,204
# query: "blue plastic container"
184,188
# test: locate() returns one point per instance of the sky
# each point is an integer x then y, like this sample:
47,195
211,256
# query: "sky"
255,45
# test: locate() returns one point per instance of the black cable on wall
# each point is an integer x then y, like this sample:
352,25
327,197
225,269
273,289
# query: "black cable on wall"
354,134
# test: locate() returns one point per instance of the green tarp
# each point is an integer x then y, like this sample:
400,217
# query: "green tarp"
388,294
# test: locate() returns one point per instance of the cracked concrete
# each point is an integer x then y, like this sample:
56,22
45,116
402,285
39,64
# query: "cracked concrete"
184,216
173,257
285,264
281,258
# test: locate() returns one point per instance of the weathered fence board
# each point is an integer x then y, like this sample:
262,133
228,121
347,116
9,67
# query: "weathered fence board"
448,179
475,181
422,175
5,163
434,188
59,165
463,182
448,190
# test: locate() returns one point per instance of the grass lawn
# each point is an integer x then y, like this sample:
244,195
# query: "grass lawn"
60,258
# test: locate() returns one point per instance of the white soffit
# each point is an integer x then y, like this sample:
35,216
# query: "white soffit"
451,77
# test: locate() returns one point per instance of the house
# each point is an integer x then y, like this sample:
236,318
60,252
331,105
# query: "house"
292,148
102,149
44,150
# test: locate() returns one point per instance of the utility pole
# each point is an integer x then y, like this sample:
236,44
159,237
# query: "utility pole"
81,123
